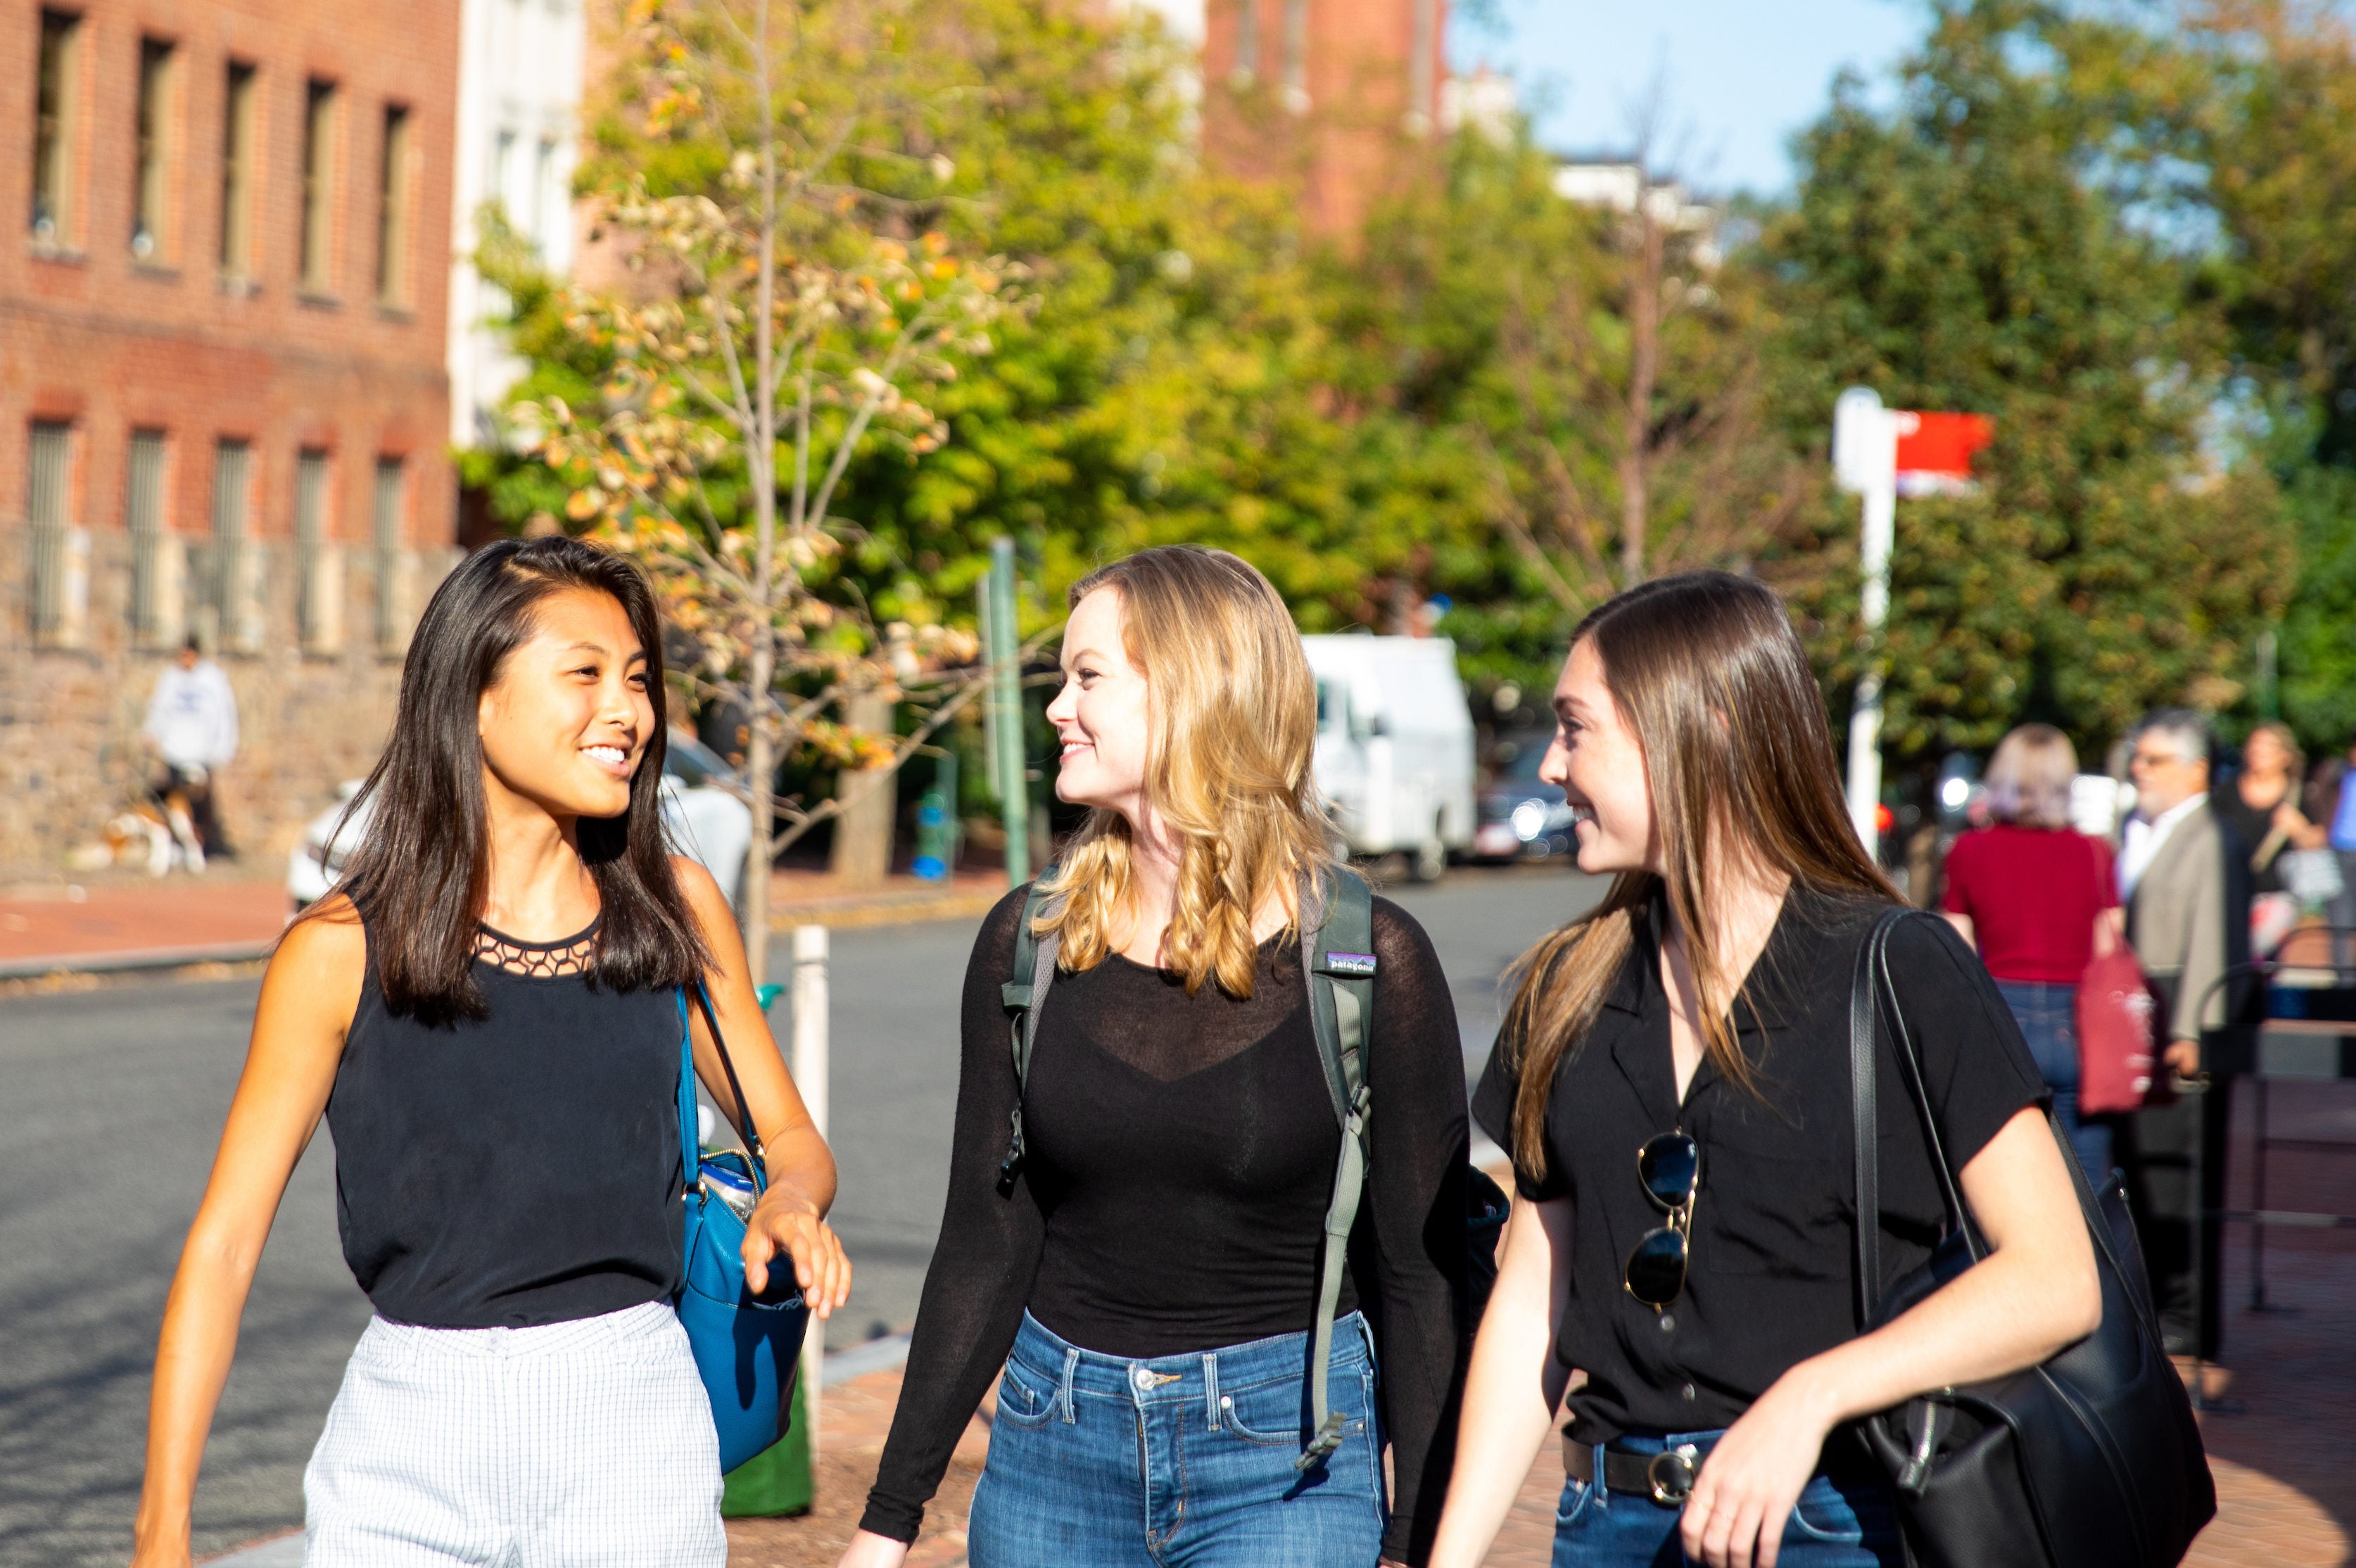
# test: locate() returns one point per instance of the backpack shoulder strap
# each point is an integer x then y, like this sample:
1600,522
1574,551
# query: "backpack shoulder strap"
1338,955
1023,993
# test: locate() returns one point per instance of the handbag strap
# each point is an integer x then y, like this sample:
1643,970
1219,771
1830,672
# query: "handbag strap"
728,1066
1871,981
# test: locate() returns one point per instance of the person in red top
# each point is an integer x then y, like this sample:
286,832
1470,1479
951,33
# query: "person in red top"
2040,900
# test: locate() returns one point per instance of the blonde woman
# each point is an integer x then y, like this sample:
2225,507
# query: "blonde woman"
1143,1288
2040,900
1673,1082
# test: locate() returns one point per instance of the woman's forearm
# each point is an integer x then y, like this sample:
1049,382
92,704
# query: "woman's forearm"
1513,1388
799,1161
192,1362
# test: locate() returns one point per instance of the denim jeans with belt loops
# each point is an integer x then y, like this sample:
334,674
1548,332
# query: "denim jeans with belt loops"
1838,1522
1108,1461
2047,1017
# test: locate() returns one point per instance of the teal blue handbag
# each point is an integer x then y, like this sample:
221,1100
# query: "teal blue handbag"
746,1347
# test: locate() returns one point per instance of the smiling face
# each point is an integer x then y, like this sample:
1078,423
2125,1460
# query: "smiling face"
1100,716
1597,763
567,720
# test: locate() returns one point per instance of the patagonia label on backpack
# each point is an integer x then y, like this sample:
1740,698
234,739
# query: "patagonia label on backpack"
1358,964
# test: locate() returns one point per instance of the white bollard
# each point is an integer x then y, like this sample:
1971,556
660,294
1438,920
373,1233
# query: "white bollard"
810,1068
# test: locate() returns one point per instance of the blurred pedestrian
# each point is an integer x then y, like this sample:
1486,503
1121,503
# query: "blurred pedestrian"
2263,807
2184,875
2038,901
192,725
2331,801
495,1041
1699,1020
1141,1284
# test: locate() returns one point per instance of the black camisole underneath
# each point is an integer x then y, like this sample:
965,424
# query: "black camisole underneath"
516,1170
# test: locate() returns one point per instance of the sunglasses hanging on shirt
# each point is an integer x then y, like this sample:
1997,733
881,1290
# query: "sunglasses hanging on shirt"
1669,1167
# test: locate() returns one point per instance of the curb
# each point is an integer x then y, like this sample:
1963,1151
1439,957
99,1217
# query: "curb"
852,914
134,961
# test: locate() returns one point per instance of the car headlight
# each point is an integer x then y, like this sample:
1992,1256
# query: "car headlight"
1529,820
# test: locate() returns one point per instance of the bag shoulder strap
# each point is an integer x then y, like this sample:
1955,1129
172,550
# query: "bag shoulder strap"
1870,985
690,1157
1337,952
1023,993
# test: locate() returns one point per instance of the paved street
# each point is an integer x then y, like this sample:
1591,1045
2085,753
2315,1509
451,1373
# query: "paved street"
115,1098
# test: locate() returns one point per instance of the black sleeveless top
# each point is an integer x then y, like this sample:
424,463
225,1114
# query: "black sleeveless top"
519,1169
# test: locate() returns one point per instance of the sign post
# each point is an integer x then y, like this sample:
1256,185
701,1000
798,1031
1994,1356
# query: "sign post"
1877,453
1865,462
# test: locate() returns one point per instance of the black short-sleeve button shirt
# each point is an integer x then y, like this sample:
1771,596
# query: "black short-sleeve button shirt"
1772,1277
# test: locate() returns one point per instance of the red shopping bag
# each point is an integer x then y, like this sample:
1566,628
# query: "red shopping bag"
2118,1069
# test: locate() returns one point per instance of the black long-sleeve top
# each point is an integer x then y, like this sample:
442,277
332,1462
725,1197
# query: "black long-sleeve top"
1181,1155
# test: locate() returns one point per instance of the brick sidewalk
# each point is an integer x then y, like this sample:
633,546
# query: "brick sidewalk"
72,926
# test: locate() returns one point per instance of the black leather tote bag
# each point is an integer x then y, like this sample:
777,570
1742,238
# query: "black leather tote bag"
2092,1460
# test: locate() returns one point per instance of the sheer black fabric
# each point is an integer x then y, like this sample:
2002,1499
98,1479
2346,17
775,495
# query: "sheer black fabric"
1181,1154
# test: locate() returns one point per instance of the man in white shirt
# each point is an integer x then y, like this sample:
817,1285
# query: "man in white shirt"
192,724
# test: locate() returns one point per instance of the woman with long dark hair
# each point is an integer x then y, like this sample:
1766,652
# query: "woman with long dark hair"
1145,1281
1673,1082
487,1013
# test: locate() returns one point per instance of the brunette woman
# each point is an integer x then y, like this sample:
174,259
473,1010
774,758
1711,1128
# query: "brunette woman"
1673,1082
1143,1287
488,1016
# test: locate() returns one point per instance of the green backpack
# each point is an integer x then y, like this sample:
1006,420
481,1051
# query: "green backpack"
1340,1007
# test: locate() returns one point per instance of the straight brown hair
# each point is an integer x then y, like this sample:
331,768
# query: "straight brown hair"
420,874
1705,669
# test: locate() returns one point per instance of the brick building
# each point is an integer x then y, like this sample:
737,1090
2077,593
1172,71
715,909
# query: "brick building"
223,399
1332,94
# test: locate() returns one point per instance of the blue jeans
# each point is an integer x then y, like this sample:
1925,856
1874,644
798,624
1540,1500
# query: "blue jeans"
2047,1017
1835,1524
1109,1462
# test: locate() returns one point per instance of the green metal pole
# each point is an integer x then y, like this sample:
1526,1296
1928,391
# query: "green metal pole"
1006,694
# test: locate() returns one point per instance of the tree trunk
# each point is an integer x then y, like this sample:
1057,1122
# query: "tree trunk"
760,772
1643,369
863,833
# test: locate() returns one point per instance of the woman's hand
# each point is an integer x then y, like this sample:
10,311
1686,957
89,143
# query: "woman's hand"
869,1550
1750,1480
785,1223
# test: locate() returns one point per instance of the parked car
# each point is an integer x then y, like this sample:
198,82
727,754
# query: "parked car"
1394,746
705,817
1522,816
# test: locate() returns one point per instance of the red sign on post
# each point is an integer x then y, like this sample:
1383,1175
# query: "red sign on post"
1935,450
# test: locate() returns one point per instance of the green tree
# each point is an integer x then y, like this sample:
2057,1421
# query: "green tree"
1962,252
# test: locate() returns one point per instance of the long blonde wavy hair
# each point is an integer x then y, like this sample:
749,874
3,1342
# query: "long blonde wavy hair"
1705,669
1232,715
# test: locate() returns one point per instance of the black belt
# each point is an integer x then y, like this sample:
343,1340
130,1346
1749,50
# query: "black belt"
1666,1476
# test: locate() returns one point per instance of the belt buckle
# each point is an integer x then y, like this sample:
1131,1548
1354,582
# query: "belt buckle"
1678,1462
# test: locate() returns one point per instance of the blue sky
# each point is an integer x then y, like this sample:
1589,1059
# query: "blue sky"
1741,77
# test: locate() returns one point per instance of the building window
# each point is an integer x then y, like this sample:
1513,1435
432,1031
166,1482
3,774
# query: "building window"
50,524
318,598
56,105
148,238
239,172
154,599
318,186
503,175
392,500
230,578
392,211
543,177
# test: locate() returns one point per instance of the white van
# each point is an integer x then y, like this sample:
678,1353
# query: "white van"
1394,746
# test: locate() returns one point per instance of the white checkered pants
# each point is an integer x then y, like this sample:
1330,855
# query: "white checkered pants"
583,1444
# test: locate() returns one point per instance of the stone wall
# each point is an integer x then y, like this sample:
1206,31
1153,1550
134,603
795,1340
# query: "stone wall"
70,753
